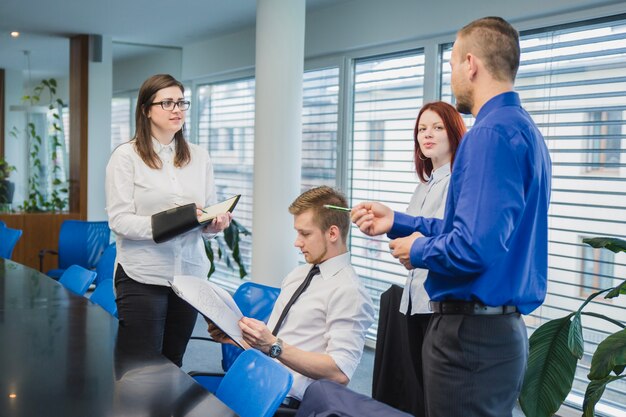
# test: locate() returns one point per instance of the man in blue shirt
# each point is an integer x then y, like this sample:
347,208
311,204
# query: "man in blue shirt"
487,259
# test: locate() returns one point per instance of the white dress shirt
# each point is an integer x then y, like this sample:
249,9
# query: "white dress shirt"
134,192
428,200
331,316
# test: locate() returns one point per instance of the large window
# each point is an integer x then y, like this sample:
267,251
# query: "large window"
572,81
226,129
388,93
121,120
319,127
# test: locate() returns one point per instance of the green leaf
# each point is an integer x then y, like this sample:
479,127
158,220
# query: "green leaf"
575,341
52,82
610,356
611,243
209,253
550,371
620,289
594,392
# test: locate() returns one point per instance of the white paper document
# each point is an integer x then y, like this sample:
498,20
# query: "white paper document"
212,302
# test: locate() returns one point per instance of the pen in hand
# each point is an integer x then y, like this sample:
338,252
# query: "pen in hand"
330,206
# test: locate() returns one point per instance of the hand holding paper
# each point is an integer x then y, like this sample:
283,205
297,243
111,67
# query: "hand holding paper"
212,302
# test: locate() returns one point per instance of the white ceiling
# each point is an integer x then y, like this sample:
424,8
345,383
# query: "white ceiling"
45,25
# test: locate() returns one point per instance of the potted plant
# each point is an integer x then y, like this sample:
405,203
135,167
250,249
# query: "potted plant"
7,188
228,248
54,197
557,345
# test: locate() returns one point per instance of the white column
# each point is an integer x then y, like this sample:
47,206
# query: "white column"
278,136
99,122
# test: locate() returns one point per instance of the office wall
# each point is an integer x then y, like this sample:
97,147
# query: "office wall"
99,130
360,24
130,73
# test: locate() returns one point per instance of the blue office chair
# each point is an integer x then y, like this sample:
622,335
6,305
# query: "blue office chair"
104,296
80,243
8,240
77,279
254,300
2,224
106,264
255,385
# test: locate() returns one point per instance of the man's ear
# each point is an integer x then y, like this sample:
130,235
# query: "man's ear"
333,233
472,65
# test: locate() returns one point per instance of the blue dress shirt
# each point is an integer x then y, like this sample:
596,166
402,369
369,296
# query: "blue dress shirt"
492,245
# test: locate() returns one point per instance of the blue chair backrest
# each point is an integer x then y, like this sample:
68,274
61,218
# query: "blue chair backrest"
106,265
104,296
82,243
8,240
255,385
77,279
254,300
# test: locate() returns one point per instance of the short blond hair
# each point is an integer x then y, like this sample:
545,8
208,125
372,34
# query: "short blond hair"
314,199
496,43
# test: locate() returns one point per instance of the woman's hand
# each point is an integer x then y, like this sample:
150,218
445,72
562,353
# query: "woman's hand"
221,222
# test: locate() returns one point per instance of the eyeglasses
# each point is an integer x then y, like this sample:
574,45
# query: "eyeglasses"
170,104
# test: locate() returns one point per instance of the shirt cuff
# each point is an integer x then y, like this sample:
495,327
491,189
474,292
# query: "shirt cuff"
345,364
417,250
402,225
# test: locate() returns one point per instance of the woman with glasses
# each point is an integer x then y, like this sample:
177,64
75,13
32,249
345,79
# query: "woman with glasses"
155,171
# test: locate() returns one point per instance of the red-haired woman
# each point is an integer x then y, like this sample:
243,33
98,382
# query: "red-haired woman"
438,131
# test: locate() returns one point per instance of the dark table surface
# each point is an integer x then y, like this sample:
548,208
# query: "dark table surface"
59,356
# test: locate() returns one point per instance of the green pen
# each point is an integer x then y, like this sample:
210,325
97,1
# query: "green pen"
330,206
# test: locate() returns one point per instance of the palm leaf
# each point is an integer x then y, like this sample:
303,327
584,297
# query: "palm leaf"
550,371
575,341
594,392
611,243
620,289
610,356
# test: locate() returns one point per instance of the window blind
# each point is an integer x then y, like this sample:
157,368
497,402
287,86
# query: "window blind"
388,93
121,116
320,100
226,129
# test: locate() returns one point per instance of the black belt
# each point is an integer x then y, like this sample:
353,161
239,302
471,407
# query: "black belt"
291,402
468,308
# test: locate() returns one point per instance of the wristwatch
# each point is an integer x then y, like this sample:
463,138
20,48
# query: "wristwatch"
276,348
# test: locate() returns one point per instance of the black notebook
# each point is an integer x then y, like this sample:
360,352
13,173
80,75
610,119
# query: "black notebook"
178,220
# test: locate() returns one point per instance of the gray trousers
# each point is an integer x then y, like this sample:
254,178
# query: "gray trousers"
474,364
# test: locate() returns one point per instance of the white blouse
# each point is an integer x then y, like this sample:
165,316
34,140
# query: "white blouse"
134,192
428,200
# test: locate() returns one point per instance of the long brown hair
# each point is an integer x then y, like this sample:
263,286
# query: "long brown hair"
455,129
143,135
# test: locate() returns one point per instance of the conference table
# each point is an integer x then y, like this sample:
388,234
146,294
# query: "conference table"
60,356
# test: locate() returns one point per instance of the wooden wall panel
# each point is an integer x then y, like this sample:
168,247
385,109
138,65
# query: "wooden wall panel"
79,110
40,231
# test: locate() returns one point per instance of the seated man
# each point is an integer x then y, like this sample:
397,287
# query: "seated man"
321,333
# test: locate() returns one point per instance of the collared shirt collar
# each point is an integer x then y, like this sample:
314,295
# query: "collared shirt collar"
332,266
510,98
159,147
441,172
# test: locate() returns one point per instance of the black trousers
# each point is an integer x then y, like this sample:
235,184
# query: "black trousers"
417,325
474,364
153,319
